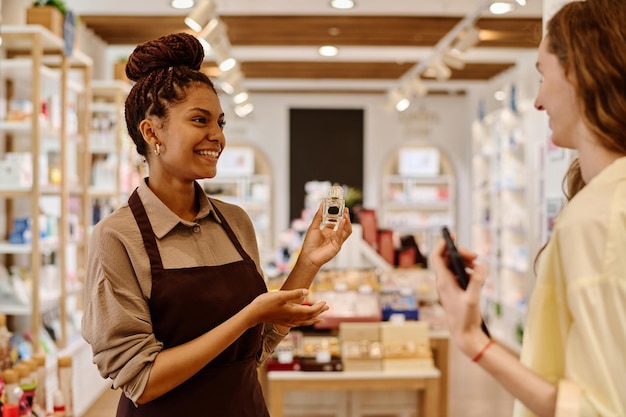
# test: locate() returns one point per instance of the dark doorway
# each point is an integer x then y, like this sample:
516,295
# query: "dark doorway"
325,145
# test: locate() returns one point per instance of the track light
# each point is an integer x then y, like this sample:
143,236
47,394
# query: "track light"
399,100
227,64
221,49
240,98
213,30
437,69
416,87
201,15
244,109
470,38
453,58
229,81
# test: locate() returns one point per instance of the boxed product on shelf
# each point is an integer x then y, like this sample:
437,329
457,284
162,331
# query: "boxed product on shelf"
16,170
406,345
399,301
360,346
420,280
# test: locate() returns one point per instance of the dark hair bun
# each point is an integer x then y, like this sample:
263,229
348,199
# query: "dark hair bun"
163,53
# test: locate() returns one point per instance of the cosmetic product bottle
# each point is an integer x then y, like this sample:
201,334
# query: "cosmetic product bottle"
333,208
65,383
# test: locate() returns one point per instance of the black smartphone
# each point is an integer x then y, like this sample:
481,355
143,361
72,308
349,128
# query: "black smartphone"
457,266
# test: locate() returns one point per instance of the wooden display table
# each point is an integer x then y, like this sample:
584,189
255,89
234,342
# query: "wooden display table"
439,343
425,382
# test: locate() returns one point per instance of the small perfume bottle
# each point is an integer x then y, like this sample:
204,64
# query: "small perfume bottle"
333,207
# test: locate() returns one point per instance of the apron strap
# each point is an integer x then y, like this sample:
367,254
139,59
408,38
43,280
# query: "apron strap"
149,239
231,234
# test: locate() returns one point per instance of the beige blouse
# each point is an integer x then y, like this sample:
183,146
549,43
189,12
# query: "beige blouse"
116,321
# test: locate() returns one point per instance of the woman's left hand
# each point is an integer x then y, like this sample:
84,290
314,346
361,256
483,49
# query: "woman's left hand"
321,245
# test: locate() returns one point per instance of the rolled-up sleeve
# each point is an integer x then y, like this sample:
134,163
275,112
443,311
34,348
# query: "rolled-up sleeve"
116,321
271,339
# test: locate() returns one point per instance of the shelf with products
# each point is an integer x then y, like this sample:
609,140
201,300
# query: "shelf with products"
44,95
355,335
109,144
418,194
111,159
503,230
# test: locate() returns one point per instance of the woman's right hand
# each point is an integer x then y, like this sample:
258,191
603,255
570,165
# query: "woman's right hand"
285,308
462,307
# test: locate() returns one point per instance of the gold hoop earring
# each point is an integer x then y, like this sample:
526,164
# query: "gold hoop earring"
157,149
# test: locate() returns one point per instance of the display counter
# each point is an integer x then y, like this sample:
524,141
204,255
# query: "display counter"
431,385
426,383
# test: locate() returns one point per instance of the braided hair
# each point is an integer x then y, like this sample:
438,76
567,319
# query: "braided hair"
163,69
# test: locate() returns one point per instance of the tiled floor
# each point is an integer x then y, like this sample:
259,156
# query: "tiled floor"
473,393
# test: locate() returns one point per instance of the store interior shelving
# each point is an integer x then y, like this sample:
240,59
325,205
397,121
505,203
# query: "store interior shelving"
244,178
418,194
44,121
504,230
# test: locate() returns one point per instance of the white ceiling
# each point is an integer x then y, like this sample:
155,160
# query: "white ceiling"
455,8
533,8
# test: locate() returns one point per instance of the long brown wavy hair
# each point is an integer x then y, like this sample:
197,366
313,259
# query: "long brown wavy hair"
589,40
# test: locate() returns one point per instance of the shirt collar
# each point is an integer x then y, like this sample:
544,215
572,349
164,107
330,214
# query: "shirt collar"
162,219
614,171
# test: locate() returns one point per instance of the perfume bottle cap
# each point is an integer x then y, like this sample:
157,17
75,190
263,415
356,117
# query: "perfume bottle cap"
336,191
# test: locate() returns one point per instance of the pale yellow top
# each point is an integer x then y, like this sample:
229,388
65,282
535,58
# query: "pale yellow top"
116,321
576,328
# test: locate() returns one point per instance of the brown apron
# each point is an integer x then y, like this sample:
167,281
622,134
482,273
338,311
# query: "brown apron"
188,302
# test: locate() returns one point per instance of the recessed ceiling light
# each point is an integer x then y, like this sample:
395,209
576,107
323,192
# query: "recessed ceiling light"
182,4
501,8
328,50
342,4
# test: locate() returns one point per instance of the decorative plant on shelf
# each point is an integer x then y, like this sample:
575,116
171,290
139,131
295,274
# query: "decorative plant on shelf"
59,4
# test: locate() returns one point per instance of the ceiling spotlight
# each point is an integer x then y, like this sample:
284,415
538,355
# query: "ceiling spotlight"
182,4
228,81
399,100
201,15
213,30
471,37
403,104
499,95
454,59
242,110
328,50
240,97
521,2
227,64
437,69
342,4
500,7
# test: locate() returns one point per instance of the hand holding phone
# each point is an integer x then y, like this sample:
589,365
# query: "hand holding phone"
457,265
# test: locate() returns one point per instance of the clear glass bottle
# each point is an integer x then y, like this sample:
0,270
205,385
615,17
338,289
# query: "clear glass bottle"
333,207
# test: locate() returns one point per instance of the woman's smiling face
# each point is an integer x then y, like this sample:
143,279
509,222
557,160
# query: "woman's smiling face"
558,98
193,137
